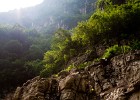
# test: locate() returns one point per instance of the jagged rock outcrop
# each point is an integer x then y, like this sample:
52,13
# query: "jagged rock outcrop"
119,79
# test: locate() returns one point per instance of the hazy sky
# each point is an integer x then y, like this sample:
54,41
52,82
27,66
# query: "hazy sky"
6,5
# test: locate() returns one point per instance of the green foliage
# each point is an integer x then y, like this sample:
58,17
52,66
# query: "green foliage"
110,25
114,22
97,59
34,52
83,65
115,50
34,67
20,48
103,4
47,71
56,58
135,44
60,39
80,66
70,67
62,50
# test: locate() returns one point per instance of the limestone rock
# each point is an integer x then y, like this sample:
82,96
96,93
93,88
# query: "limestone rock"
117,80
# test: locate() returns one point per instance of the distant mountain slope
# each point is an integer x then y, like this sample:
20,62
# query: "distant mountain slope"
51,14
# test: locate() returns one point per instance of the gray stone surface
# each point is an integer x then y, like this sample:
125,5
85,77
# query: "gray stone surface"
119,80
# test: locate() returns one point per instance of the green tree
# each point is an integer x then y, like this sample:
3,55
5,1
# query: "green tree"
14,47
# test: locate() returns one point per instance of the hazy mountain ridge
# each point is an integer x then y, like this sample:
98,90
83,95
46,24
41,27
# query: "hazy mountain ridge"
50,13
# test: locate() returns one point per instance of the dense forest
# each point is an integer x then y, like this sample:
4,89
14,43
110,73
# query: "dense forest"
113,27
49,37
21,53
27,34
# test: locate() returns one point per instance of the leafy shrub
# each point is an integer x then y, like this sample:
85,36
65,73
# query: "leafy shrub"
34,67
115,50
46,72
70,67
83,65
135,44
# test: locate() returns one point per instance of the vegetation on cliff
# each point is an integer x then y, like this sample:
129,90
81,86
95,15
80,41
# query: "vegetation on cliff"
112,29
26,34
113,23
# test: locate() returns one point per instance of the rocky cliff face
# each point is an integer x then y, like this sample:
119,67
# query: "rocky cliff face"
119,79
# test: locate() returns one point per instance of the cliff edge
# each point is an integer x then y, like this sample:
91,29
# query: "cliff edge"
118,79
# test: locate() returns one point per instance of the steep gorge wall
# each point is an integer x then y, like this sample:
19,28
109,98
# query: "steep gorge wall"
117,80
